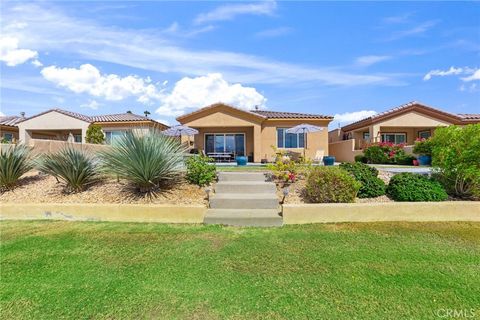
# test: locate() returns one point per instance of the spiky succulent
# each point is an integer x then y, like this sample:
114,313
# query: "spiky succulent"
15,161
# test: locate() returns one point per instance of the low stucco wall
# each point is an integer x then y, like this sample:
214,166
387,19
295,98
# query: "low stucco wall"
390,211
104,212
51,146
344,151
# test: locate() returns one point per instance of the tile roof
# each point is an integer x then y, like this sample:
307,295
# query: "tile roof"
10,121
469,116
216,105
289,115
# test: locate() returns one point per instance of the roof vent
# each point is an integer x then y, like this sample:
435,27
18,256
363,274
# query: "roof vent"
22,114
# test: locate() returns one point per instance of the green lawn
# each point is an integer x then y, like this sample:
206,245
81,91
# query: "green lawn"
242,168
92,270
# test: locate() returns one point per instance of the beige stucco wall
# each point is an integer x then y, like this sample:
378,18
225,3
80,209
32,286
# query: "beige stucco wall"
344,151
51,121
41,146
335,135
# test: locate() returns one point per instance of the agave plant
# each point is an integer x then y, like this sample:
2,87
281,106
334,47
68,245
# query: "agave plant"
75,168
145,159
15,161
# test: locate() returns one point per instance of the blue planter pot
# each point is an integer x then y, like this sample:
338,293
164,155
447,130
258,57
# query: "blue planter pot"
328,160
242,161
424,160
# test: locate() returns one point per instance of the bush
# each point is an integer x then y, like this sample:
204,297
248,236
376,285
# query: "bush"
15,161
200,170
415,187
383,152
423,147
95,134
372,186
456,159
331,184
405,159
75,168
146,160
361,158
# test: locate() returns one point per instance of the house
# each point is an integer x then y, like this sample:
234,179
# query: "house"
8,128
403,124
57,124
230,130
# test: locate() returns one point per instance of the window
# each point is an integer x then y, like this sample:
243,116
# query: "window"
77,137
111,136
8,136
289,140
394,137
233,143
366,136
424,134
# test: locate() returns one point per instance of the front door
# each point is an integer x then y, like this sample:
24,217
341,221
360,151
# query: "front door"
232,143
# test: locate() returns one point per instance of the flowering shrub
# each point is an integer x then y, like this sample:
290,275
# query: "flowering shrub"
284,169
423,147
383,152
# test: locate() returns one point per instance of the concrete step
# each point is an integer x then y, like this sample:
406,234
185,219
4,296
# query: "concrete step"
241,176
244,201
242,217
245,187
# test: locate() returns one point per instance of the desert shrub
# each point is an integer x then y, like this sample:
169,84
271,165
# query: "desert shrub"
75,168
95,134
200,170
361,158
423,147
456,159
331,184
415,187
15,161
404,159
383,152
145,159
284,168
372,186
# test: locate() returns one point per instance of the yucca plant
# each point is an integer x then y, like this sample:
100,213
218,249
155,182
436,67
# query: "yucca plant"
145,159
75,168
15,161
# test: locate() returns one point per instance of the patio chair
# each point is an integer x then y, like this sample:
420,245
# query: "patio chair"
319,156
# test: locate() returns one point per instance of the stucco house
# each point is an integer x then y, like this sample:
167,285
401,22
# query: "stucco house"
57,124
225,128
403,124
8,128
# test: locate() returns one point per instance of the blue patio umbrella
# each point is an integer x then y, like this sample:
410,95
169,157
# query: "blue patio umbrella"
180,130
304,128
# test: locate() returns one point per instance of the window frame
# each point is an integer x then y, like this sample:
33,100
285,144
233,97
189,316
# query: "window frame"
284,137
108,140
382,134
424,131
9,134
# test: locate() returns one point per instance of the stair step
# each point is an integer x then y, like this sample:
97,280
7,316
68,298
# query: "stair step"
242,217
241,176
245,187
244,201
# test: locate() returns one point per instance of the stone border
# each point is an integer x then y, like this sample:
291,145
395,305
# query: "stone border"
104,212
388,211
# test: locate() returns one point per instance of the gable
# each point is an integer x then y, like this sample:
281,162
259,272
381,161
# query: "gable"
53,120
414,119
221,119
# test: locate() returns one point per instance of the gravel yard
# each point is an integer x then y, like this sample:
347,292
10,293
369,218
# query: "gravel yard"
36,188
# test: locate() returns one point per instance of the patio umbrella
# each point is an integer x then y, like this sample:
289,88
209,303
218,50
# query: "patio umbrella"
178,131
304,128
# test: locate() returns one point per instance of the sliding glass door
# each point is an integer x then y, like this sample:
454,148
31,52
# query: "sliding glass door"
232,143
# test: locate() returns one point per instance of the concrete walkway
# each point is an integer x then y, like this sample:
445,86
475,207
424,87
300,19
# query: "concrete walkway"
244,199
398,169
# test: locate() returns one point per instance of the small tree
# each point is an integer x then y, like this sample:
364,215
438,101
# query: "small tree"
95,134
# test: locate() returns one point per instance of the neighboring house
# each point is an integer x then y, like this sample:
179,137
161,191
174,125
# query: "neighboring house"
57,124
403,124
229,130
9,129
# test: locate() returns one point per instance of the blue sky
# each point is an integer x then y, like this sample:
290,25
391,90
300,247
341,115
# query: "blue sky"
348,59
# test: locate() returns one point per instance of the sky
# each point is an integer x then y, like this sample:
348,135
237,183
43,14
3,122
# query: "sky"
345,59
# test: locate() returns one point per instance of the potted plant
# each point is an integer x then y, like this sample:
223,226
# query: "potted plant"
423,148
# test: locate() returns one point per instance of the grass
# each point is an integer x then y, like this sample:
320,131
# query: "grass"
243,168
87,270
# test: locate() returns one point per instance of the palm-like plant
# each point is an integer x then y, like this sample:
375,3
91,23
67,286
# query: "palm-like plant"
145,159
14,162
75,168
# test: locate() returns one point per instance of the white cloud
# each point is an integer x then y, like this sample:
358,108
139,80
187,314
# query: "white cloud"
417,30
2,114
194,93
275,32
88,79
12,55
230,11
366,61
92,104
474,76
403,18
165,122
470,88
37,63
348,117
475,73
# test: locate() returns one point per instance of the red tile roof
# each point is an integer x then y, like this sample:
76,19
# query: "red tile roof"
10,121
470,116
289,115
